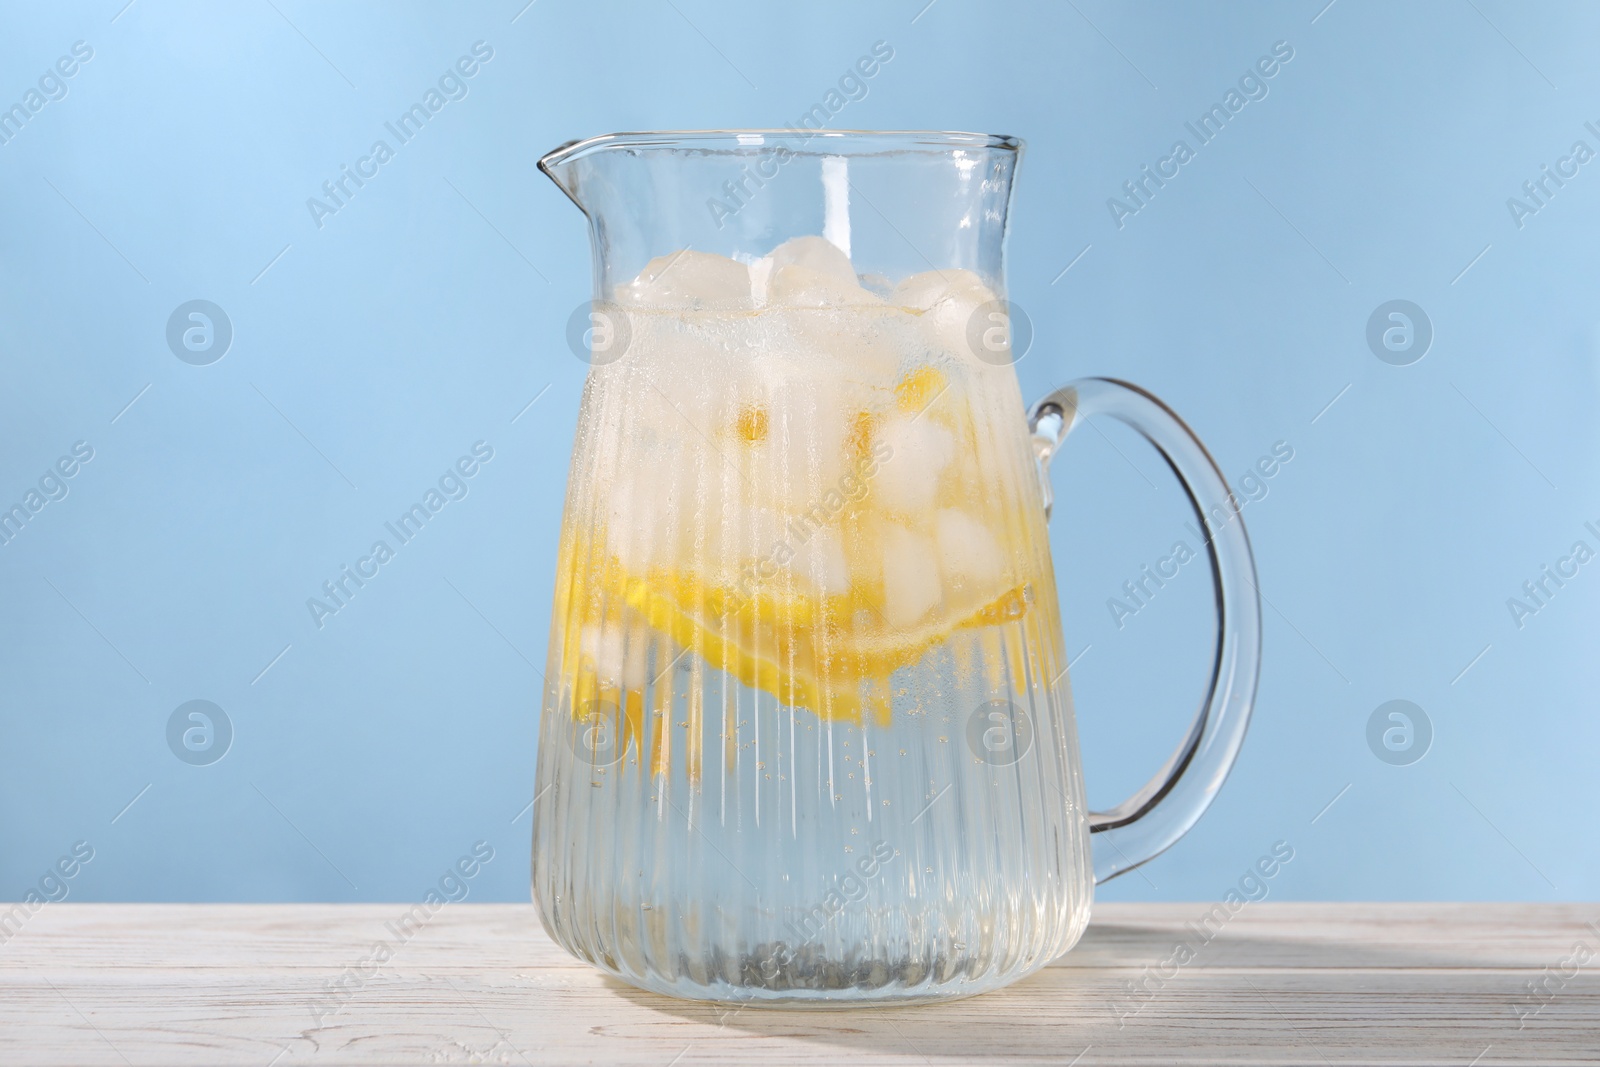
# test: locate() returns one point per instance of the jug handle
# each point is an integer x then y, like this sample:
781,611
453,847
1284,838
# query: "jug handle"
1150,821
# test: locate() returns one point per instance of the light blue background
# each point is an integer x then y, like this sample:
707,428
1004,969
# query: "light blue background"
429,311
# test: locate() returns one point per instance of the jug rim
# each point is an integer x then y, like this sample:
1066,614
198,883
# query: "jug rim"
838,142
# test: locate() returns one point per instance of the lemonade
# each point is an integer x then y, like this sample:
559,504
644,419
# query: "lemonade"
802,562
795,477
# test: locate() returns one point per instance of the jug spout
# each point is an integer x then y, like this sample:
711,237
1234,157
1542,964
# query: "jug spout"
560,166
595,171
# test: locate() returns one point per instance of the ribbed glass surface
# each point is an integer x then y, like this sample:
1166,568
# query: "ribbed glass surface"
807,733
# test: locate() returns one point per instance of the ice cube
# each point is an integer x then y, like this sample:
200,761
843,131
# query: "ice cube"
1002,458
820,560
969,553
948,300
602,647
920,292
930,289
635,520
811,272
755,533
804,450
635,658
907,481
686,388
845,345
816,254
760,278
802,287
877,283
690,279
911,585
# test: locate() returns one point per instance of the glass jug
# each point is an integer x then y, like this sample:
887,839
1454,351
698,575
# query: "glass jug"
807,736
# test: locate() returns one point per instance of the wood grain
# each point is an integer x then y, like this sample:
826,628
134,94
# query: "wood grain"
1280,984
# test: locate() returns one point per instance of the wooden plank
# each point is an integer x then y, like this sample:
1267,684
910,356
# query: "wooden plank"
1279,984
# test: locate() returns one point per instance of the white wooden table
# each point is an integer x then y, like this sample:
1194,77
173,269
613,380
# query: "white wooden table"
285,985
